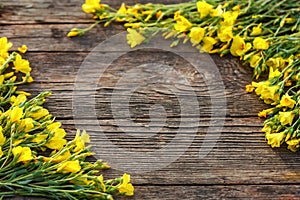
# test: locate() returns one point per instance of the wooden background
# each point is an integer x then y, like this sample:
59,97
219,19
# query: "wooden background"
241,166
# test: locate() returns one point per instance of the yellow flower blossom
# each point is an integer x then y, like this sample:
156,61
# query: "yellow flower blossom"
229,18
286,117
274,73
239,47
1,79
249,88
69,166
266,91
254,60
1,152
196,35
57,142
275,139
60,158
22,49
16,114
225,33
260,43
134,38
208,44
16,101
287,101
182,24
38,113
216,12
2,137
80,140
204,8
27,124
91,6
265,112
39,138
53,126
101,180
126,187
122,11
4,47
278,62
23,153
293,144
237,7
21,65
74,32
256,30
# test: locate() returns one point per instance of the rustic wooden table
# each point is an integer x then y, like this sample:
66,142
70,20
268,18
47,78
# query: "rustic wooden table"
241,166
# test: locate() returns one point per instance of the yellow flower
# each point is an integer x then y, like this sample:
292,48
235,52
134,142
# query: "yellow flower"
275,139
273,74
204,8
101,180
238,46
260,43
53,126
38,113
91,6
29,79
216,12
73,33
256,30
2,137
229,18
23,153
287,101
80,140
27,124
208,44
16,114
39,138
60,158
1,79
237,7
286,118
196,35
249,88
266,91
121,11
4,47
293,144
69,166
265,112
126,187
278,62
134,38
21,65
57,142
22,49
254,60
1,152
225,33
182,24
16,101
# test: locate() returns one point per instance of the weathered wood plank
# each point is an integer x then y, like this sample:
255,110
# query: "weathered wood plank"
54,11
261,192
241,165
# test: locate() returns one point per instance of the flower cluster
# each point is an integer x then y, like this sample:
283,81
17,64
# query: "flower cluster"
262,33
35,157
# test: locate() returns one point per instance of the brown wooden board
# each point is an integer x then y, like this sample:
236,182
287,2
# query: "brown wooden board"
240,166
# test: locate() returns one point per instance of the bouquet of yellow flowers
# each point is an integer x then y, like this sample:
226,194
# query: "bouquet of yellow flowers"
265,34
35,157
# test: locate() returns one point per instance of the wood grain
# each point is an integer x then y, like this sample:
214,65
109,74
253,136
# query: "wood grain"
240,166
